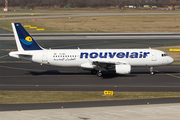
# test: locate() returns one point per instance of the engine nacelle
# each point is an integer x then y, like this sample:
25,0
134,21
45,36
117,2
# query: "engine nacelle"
123,68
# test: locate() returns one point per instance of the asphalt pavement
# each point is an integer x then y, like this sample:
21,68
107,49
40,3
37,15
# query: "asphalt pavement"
24,75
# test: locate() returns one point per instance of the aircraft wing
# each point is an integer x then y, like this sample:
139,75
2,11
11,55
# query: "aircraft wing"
99,64
121,67
104,64
107,64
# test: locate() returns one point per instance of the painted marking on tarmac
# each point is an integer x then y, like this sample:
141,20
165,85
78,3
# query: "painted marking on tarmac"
61,72
15,62
169,74
5,85
41,76
20,68
173,75
3,56
177,63
36,69
174,50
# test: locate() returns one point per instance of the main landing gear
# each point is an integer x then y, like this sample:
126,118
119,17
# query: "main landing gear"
98,73
151,70
93,71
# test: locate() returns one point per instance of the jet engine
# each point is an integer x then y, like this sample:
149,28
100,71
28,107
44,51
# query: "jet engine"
123,68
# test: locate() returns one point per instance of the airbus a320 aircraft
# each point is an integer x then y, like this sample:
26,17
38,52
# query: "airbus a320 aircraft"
118,60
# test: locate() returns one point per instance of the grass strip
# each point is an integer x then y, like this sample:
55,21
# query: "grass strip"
103,24
22,97
26,15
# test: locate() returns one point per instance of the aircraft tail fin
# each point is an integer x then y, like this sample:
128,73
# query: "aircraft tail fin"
24,41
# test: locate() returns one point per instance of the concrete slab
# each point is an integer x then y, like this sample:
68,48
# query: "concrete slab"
134,112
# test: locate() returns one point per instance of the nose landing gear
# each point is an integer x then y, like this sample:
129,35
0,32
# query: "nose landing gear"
151,70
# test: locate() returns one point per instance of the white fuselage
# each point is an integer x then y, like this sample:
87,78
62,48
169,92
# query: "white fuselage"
78,57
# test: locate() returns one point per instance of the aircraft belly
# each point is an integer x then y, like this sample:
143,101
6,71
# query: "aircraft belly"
141,62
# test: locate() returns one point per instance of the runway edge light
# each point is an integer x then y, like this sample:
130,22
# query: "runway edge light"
108,93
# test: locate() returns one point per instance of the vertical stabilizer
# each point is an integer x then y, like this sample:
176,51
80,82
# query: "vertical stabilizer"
24,41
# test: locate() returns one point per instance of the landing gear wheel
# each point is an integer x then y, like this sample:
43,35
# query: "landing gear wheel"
152,72
93,71
99,74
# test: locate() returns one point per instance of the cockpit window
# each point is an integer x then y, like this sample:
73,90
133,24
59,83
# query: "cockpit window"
163,55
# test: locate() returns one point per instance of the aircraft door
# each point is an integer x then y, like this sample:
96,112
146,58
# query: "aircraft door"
44,56
154,58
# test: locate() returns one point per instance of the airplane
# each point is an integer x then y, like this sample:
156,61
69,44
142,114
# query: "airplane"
118,60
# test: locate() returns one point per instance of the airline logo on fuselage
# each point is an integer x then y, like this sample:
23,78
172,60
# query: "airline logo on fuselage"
114,55
27,41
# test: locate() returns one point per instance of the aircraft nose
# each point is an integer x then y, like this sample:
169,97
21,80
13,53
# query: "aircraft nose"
171,60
